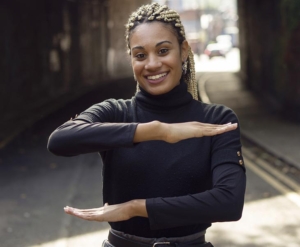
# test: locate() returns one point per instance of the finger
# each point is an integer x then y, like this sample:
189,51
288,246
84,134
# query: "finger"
84,216
92,215
222,125
231,126
206,125
83,210
211,125
218,130
227,128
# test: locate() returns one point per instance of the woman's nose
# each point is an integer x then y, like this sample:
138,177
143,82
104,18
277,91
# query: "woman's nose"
153,63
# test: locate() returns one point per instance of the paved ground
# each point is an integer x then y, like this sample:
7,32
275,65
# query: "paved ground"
269,219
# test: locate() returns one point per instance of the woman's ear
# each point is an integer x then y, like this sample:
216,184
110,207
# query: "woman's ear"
184,50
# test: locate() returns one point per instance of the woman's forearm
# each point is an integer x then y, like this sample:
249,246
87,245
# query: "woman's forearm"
176,132
151,131
138,208
111,213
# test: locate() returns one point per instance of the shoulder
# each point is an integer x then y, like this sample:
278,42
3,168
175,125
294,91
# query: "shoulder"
116,104
112,105
109,110
217,113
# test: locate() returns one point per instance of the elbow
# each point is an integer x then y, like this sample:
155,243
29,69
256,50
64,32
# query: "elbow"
52,144
234,212
239,211
235,216
55,144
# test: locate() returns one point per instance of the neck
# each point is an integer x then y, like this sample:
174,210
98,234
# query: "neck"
177,97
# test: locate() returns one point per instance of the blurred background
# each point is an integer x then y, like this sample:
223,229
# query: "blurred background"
58,57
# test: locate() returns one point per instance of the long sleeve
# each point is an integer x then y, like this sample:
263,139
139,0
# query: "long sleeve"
224,201
101,127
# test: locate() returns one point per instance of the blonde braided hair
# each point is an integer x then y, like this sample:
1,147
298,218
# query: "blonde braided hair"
156,12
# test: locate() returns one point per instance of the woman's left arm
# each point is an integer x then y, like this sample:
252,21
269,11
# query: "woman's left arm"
111,213
224,202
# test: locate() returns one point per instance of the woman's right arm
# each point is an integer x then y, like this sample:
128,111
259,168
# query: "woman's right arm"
176,132
101,127
79,137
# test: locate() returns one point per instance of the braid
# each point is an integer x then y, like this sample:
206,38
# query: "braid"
156,12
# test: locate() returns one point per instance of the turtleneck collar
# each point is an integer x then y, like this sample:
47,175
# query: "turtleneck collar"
176,98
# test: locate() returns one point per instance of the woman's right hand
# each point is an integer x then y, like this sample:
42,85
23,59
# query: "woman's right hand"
176,132
180,131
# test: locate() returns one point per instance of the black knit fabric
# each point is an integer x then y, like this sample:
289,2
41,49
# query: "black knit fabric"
187,185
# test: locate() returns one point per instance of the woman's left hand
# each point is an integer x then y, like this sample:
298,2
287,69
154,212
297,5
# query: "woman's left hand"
110,213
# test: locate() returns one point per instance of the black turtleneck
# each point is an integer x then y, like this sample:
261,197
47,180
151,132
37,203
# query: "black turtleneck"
178,97
187,185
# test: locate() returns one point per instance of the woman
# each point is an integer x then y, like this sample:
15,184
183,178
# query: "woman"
172,164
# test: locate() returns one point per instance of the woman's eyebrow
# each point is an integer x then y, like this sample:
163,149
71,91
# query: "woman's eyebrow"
138,47
158,44
165,41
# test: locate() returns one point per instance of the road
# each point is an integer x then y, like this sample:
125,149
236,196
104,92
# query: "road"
36,185
271,214
219,64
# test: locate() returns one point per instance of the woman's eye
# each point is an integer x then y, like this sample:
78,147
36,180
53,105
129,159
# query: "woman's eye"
140,56
163,51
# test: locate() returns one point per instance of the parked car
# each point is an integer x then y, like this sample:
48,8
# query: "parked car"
217,50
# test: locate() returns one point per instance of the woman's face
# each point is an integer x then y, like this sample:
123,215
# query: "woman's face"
156,57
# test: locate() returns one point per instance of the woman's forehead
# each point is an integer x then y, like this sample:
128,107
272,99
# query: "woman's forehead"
151,33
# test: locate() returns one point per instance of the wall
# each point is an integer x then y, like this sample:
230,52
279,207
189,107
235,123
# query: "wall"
53,49
269,42
118,59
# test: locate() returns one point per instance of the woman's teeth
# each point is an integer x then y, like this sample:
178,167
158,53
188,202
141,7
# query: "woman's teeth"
155,77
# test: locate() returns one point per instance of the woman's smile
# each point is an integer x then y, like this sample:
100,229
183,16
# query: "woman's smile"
155,79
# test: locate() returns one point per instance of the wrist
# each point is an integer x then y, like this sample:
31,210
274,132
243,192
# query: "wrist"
138,208
151,131
160,129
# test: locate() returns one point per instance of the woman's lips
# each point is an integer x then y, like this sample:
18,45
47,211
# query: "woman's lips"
156,78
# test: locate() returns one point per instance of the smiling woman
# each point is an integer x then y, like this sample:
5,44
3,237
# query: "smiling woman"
157,57
172,164
168,21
